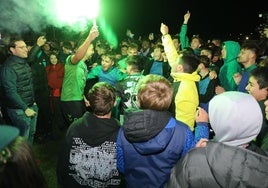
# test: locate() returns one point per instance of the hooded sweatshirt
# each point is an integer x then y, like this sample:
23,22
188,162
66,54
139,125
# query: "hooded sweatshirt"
235,117
230,66
186,97
88,157
150,143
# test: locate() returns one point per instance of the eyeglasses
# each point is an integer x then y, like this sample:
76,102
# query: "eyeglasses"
21,47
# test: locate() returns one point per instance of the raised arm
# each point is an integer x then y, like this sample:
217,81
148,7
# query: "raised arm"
183,32
32,56
169,47
81,51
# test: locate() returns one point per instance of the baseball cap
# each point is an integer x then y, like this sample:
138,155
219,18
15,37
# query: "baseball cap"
7,135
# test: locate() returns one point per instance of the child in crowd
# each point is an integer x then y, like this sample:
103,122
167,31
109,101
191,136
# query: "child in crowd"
185,79
151,141
127,88
206,86
133,49
258,88
107,71
158,63
230,67
89,151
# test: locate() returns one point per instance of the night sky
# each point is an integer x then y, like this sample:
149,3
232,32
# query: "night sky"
208,18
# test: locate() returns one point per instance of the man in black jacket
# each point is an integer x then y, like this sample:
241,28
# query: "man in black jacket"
17,85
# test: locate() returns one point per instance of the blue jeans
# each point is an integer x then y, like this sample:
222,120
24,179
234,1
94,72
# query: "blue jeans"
26,125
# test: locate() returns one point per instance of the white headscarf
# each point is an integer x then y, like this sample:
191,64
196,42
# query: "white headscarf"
235,117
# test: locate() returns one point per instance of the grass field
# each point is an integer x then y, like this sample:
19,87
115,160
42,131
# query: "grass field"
47,156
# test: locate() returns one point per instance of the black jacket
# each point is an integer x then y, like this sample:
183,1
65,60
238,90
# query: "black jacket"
165,66
88,157
16,83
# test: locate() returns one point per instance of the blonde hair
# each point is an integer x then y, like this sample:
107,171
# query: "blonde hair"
154,92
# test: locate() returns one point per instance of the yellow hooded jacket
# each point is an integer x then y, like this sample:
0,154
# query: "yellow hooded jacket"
186,96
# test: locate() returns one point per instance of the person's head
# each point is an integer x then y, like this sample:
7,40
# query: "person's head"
216,42
145,44
135,64
176,42
102,98
258,83
107,61
248,54
158,52
230,50
102,48
204,62
263,62
207,51
67,47
154,92
196,42
18,47
46,47
90,52
235,117
265,30
186,64
123,49
53,58
18,166
124,42
216,54
132,49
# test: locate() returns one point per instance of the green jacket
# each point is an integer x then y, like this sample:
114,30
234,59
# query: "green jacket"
230,66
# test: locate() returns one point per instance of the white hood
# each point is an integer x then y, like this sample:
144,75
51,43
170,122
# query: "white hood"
235,117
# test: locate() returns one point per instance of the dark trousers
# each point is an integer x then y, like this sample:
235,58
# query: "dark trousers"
26,125
56,114
44,125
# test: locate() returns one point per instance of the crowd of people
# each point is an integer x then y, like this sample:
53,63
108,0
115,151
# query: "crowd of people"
164,111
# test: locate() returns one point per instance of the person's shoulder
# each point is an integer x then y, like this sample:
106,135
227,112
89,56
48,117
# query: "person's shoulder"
181,125
68,60
4,65
227,150
60,65
123,60
79,121
8,65
9,60
97,68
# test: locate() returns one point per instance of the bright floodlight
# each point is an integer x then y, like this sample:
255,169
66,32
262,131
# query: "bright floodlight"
74,11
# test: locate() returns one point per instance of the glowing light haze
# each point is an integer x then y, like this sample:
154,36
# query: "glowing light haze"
76,11
18,16
21,15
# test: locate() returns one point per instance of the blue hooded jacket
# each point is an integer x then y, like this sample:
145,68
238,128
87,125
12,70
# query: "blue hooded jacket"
150,143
